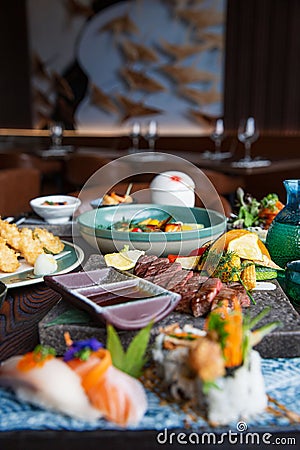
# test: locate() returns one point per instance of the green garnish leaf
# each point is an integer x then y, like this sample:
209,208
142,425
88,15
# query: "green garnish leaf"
83,354
133,360
247,290
259,316
41,352
207,385
135,354
217,323
71,316
115,347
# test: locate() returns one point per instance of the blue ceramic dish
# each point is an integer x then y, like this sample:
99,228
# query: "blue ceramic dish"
93,226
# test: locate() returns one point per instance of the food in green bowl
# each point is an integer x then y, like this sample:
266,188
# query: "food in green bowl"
98,228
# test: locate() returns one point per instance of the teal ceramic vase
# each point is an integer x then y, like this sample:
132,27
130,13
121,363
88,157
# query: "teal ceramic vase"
283,238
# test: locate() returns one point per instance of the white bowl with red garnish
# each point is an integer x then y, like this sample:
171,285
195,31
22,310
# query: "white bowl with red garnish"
55,209
173,188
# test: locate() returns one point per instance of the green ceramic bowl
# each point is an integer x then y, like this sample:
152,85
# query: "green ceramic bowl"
93,228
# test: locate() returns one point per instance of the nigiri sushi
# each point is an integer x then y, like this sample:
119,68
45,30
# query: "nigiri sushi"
119,397
42,379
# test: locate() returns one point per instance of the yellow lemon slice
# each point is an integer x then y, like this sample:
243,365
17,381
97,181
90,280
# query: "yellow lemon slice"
118,261
188,262
123,260
246,247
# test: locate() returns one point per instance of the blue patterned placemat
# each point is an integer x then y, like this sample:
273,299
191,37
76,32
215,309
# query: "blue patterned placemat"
282,380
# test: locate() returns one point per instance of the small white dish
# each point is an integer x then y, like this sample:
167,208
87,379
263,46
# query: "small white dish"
55,209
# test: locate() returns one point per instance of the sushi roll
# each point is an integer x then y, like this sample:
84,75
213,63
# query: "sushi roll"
215,369
42,379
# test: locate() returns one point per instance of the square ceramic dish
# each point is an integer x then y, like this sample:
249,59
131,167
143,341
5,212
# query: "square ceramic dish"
116,297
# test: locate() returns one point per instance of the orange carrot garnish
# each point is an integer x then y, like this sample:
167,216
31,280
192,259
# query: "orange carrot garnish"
68,339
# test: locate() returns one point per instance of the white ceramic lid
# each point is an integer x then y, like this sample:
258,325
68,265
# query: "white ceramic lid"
173,181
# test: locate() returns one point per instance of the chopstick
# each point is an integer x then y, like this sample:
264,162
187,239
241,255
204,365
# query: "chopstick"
62,254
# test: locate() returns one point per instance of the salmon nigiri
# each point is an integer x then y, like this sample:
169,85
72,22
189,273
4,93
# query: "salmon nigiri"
42,379
119,397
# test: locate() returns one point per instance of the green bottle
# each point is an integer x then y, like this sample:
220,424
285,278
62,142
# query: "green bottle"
283,238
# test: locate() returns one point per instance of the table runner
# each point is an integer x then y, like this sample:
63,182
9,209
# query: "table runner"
282,380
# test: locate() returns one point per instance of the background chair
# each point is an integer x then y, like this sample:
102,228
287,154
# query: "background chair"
50,170
18,187
80,167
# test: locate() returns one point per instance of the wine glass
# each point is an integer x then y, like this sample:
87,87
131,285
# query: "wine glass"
56,134
217,136
152,134
247,134
135,136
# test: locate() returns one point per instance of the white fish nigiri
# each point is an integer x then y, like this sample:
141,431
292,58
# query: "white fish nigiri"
52,385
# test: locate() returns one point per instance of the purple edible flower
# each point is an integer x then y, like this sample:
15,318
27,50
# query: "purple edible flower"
82,349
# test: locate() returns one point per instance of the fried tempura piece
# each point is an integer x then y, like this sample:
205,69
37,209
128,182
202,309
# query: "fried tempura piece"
49,242
8,258
206,359
10,233
29,247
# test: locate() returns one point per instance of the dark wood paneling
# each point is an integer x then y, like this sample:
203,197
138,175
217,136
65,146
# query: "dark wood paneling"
15,104
262,68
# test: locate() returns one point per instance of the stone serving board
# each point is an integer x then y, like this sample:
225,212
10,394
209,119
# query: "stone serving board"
284,342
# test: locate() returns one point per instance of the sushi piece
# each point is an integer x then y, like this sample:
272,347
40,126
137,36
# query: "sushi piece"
42,379
119,397
215,368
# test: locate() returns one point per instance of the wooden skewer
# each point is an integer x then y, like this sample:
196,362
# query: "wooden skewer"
291,415
129,189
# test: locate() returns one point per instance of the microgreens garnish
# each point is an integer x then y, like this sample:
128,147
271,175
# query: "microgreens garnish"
82,349
41,352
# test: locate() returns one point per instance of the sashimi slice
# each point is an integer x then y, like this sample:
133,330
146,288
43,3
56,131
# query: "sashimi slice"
52,385
119,397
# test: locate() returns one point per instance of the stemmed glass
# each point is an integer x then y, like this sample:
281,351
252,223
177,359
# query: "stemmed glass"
217,136
56,134
135,136
247,134
152,134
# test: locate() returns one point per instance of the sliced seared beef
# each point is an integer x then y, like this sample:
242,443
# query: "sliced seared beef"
143,263
179,279
202,300
156,267
227,296
199,295
242,295
187,291
165,276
